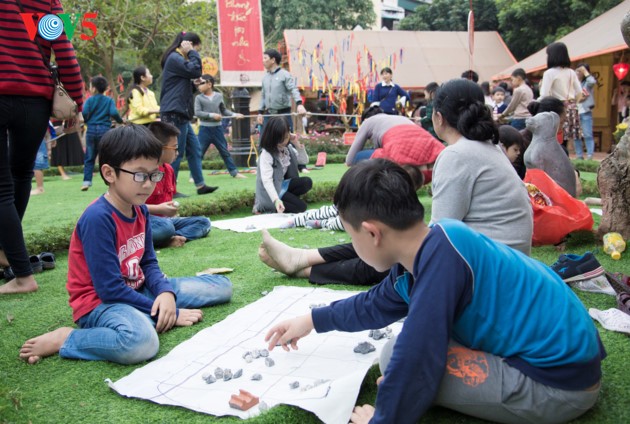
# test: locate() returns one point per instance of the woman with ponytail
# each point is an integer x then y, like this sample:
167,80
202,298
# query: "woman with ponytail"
473,180
181,72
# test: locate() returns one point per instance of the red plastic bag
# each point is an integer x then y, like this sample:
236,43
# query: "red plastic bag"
565,215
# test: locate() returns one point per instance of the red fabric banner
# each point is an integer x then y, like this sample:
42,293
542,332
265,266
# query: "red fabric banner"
240,33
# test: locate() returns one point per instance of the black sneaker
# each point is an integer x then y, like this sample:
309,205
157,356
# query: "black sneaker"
575,267
206,189
179,195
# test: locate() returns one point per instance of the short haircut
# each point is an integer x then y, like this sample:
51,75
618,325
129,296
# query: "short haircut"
99,83
209,78
546,104
274,132
380,190
126,143
274,54
386,69
558,55
485,87
471,75
462,104
510,136
163,131
585,65
519,72
370,112
416,175
432,87
498,89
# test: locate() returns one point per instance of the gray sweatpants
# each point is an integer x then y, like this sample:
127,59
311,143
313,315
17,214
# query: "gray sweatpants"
483,385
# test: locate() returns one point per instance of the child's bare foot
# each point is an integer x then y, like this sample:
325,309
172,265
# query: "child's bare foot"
66,177
47,344
36,191
177,241
240,176
19,285
289,259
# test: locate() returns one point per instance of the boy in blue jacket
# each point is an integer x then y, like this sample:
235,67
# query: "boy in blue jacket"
488,331
98,112
120,298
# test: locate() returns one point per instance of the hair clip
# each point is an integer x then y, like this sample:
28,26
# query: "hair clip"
183,32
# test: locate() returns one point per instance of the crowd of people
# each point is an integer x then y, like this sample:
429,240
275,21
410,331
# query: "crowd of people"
447,279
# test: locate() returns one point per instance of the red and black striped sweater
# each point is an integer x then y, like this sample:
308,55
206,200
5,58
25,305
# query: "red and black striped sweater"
22,69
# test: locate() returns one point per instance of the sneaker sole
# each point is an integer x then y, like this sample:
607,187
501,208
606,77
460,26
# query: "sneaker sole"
586,276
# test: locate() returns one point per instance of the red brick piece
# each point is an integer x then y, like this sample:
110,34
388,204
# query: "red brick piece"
243,401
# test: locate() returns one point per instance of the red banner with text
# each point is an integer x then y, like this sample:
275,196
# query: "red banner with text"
241,42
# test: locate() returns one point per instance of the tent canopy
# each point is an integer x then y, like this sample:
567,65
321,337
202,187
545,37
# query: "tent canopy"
343,58
600,36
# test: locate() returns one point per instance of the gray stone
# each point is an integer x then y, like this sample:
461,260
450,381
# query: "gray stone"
218,373
294,385
248,358
210,379
263,353
262,406
364,348
238,373
256,377
227,374
269,362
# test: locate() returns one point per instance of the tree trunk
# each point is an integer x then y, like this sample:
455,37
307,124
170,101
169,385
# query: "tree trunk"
613,180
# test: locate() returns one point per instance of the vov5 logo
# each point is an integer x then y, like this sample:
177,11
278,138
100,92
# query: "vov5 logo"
51,26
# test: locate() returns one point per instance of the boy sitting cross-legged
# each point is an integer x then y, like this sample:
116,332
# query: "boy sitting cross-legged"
120,298
167,229
488,331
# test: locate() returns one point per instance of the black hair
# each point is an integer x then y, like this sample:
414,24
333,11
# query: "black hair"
625,83
485,87
99,83
138,73
416,175
432,87
504,86
585,65
274,133
462,104
558,55
379,190
126,143
386,69
370,112
181,36
208,78
274,54
163,131
519,72
546,104
498,89
471,75
510,136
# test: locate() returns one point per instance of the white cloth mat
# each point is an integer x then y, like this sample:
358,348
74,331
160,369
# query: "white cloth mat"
254,223
326,362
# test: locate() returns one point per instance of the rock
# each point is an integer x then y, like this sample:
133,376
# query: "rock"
269,362
364,348
218,373
248,358
263,353
294,385
238,373
227,374
256,377
210,379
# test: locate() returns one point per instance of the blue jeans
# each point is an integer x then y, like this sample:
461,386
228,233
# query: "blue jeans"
586,121
92,140
518,123
215,135
188,145
163,228
120,333
362,155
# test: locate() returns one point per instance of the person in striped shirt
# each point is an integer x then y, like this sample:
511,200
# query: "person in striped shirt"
26,90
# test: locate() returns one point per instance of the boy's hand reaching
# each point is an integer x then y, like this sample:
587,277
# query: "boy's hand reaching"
289,332
166,310
188,317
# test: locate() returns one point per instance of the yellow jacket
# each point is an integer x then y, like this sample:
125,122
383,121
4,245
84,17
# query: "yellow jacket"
139,107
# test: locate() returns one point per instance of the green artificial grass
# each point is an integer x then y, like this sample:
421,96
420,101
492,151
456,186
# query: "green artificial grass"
58,390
